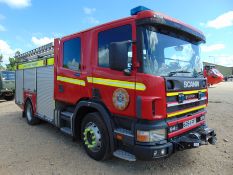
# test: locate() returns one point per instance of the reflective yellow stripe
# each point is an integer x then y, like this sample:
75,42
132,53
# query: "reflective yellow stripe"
117,83
33,64
140,86
185,92
186,111
89,79
71,80
50,61
39,63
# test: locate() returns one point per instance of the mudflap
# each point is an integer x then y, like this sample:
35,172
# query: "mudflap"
202,136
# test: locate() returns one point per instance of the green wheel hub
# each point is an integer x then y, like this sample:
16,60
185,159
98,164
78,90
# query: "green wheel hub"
92,137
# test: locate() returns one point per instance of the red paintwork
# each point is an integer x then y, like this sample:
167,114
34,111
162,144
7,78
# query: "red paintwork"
155,91
106,92
154,94
172,123
213,76
32,97
155,86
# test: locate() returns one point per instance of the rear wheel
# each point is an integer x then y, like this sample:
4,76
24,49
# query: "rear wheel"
95,136
31,119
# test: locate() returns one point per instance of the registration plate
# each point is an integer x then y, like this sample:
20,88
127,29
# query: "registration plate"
189,97
189,123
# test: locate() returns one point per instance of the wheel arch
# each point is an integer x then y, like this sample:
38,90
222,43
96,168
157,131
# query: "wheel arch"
28,99
85,107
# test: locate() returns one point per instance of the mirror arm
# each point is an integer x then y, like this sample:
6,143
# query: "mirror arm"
127,72
133,41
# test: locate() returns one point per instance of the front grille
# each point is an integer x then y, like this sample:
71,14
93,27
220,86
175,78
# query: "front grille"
185,102
182,107
185,115
185,106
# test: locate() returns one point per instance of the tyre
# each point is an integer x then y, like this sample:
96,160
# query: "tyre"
31,119
9,98
95,137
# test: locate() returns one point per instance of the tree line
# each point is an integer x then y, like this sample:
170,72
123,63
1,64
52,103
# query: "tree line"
12,63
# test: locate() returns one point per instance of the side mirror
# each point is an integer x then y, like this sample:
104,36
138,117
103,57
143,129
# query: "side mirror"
118,55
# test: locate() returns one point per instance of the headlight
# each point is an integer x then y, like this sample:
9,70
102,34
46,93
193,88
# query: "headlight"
151,136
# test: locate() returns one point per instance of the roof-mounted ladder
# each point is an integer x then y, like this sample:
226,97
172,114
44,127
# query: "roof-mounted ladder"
45,51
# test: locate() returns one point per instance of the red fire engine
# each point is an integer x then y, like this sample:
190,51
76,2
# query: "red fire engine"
213,75
131,88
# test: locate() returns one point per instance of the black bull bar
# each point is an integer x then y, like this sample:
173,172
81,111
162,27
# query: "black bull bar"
202,136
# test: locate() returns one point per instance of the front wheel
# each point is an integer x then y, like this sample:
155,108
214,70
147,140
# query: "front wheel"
95,136
31,119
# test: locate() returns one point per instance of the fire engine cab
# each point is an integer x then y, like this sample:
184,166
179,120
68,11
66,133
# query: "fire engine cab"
131,88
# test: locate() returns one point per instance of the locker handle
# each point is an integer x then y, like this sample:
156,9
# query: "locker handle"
60,88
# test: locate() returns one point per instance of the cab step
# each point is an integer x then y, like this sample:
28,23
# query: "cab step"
124,155
65,115
66,118
66,130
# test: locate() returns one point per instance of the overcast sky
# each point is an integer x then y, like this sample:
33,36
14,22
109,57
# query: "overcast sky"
26,24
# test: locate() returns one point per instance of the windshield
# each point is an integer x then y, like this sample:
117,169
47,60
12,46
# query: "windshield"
169,54
8,75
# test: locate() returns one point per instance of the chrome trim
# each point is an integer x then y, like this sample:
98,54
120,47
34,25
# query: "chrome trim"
187,102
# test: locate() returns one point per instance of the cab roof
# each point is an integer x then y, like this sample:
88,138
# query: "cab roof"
141,12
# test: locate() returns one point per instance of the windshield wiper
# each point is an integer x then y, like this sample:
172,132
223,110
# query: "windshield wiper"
175,72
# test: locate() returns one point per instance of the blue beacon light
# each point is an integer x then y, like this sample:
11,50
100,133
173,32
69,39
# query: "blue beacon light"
138,9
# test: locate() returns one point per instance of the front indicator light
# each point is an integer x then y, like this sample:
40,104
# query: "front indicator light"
143,136
151,136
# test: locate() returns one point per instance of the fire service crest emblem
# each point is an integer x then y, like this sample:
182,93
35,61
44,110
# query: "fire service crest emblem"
120,99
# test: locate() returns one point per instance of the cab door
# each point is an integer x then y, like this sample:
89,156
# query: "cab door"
116,89
70,80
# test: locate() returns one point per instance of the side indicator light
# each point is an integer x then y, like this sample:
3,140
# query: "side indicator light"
119,137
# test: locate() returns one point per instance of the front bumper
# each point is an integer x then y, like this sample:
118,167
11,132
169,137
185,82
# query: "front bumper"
193,139
153,152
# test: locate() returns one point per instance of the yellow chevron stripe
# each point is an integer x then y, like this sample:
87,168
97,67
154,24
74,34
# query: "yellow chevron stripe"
117,83
185,111
71,80
185,92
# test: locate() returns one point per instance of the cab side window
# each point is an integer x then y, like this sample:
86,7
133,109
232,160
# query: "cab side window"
72,54
106,37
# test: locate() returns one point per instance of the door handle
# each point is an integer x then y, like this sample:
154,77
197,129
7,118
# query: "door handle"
60,88
77,74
